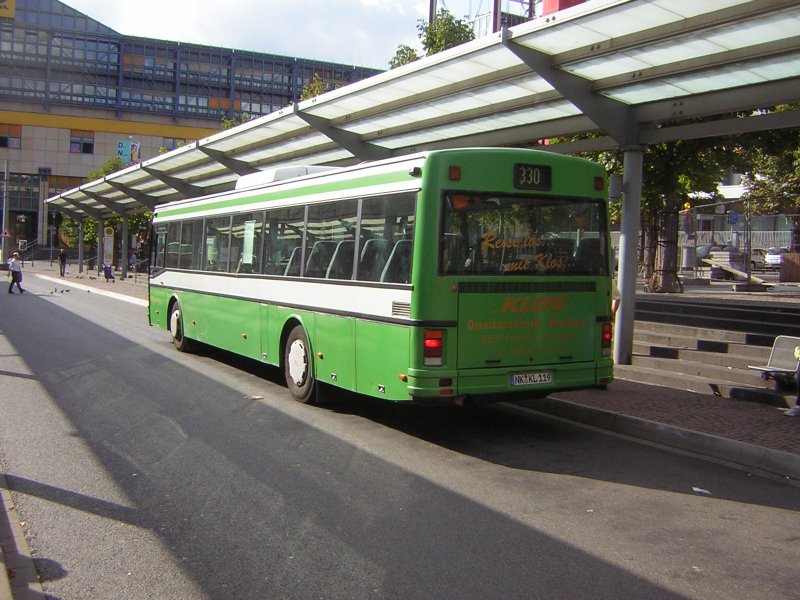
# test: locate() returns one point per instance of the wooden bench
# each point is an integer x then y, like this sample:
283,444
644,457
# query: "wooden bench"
782,364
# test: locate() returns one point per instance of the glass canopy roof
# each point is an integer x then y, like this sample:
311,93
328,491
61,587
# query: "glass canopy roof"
553,76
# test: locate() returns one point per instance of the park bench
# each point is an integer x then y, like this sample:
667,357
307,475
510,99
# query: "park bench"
782,365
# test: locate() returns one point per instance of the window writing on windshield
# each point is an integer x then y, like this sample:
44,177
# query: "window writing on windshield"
492,234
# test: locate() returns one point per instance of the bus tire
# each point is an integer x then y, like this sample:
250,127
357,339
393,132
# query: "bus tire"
297,366
179,339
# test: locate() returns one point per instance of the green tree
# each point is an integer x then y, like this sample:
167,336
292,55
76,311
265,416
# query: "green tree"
772,174
445,31
235,119
316,87
405,54
136,222
672,173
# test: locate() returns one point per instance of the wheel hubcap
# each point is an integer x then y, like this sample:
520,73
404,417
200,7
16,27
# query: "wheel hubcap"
297,362
175,323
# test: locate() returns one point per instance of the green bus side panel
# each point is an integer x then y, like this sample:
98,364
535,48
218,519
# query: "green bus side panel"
381,356
274,321
233,325
334,339
157,308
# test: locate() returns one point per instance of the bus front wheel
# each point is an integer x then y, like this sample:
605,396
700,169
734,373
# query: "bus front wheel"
297,366
179,340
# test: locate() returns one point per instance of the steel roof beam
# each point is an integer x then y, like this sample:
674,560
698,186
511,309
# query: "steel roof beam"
614,118
237,166
345,139
91,212
148,202
187,189
109,204
70,213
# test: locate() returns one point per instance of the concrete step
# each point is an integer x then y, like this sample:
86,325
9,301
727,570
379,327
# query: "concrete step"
759,354
702,385
710,373
699,357
691,332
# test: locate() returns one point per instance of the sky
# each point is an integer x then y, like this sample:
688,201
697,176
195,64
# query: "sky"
353,32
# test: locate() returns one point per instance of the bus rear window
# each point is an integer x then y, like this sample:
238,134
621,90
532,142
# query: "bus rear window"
498,234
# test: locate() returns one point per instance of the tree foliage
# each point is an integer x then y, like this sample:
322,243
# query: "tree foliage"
316,87
235,119
675,173
404,55
69,228
445,31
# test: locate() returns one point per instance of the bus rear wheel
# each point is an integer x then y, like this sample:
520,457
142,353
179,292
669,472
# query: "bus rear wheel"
297,366
179,340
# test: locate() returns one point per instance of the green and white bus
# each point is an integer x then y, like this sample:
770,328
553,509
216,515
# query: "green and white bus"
466,274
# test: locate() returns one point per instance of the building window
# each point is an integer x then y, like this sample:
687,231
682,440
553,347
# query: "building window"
10,136
172,143
81,142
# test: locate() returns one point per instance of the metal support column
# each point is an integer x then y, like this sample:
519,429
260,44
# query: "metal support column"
628,255
80,245
6,231
123,242
101,242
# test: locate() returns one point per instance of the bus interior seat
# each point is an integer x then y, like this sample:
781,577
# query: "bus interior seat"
373,259
589,257
319,259
293,266
341,266
398,265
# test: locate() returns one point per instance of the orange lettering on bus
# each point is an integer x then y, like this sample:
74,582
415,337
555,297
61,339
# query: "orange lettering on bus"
531,304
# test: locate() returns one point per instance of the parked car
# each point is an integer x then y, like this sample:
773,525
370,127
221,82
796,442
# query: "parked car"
774,257
758,259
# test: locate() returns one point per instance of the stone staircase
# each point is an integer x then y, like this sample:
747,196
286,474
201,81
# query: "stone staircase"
672,350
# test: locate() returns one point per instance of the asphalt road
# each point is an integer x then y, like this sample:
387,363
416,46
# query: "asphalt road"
144,473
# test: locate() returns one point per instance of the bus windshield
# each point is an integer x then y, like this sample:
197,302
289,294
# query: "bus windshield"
499,234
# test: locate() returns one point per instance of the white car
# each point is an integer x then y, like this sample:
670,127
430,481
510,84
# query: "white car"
758,259
773,258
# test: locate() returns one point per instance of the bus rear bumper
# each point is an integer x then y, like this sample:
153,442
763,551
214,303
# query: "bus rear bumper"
495,383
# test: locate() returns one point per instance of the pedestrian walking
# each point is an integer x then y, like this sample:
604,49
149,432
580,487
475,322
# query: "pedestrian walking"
15,270
62,262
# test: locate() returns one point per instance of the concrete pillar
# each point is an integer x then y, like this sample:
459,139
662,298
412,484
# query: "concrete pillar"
628,255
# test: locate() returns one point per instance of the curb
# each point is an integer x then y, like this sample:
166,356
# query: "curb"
747,455
18,577
116,295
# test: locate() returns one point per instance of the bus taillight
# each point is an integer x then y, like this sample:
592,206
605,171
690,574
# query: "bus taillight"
433,347
605,339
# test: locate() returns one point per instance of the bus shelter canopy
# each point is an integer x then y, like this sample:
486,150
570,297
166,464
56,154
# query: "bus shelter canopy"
633,72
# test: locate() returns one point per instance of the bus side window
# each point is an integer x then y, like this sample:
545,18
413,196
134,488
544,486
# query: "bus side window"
373,259
293,266
398,266
341,266
319,259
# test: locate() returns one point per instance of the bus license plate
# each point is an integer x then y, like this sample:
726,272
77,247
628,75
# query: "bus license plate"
531,378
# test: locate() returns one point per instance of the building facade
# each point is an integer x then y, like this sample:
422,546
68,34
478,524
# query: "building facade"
74,93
